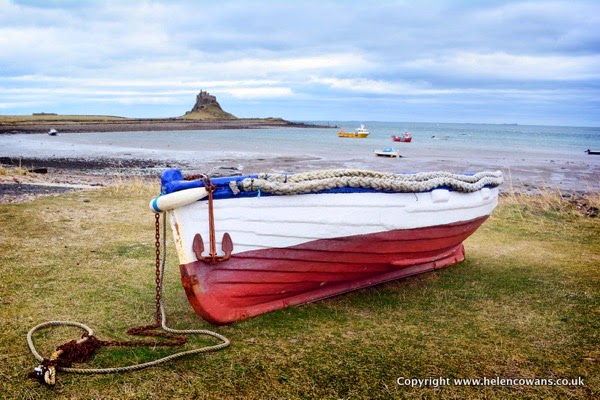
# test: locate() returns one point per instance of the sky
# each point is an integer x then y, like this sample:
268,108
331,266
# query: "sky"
526,62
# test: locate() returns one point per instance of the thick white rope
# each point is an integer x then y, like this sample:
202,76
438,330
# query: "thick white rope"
282,184
135,367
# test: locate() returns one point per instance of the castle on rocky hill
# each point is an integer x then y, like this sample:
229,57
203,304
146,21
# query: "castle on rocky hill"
208,104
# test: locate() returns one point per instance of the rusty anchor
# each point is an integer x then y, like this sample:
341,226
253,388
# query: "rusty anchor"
198,243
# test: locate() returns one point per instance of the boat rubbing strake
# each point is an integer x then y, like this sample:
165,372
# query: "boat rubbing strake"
252,244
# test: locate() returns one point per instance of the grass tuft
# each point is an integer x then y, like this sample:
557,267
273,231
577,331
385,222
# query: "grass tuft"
13,171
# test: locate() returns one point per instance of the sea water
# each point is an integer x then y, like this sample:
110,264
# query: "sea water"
439,139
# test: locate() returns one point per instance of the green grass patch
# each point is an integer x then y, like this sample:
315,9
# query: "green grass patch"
210,113
524,304
36,118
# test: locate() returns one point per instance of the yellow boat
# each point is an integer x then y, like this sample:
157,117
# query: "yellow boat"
360,133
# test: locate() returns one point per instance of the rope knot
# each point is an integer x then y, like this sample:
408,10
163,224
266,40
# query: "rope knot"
234,188
43,373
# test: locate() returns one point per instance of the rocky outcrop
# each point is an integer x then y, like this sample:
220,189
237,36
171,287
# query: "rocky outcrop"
207,108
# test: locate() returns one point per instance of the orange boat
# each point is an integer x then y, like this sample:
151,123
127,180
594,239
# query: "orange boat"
360,133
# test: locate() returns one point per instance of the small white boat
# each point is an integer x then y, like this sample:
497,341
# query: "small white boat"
53,132
389,152
292,239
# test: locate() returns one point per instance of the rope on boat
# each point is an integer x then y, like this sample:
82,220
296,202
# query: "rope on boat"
282,184
224,341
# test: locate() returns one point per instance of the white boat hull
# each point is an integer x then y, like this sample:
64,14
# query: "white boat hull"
283,221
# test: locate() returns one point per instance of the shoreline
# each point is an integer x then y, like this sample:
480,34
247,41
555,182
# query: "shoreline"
103,159
74,125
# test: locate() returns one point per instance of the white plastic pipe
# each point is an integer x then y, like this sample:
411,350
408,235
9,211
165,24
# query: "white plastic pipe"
166,202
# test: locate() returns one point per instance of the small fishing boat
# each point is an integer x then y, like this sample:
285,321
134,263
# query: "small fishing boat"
594,152
286,240
361,132
53,132
406,138
387,152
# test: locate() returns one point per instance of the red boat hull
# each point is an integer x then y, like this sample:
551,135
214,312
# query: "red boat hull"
255,282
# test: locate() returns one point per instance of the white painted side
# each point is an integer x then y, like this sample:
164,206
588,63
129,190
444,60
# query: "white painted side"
282,221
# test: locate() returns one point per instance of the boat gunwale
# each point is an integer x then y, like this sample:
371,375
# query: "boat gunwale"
223,191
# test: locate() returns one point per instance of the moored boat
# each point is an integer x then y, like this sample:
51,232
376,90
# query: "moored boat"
406,138
387,152
361,132
286,240
53,132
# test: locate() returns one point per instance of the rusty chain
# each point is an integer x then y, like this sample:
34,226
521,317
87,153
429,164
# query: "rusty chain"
78,351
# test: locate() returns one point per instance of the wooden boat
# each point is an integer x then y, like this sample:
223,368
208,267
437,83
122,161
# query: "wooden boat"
387,152
406,138
361,132
286,240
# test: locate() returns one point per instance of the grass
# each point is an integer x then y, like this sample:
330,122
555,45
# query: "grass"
524,304
13,172
211,112
36,118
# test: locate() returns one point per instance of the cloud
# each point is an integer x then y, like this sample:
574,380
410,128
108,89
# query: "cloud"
256,92
501,66
362,85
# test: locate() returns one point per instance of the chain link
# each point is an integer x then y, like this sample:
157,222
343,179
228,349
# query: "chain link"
158,275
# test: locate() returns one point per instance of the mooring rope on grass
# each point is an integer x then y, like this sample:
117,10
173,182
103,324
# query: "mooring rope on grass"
49,377
283,184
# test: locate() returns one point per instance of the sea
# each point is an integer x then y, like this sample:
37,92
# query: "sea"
536,154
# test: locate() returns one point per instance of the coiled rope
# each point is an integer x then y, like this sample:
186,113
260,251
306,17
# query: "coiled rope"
282,184
134,367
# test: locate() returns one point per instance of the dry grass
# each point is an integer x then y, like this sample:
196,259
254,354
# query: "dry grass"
12,119
553,201
13,171
524,304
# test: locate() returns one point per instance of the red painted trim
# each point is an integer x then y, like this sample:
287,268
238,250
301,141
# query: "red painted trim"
259,281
